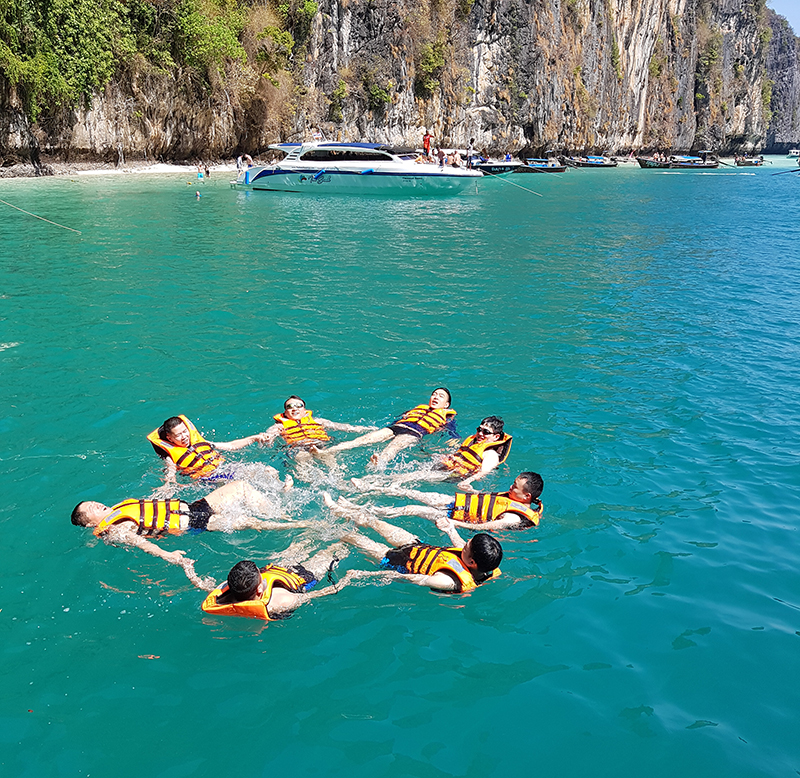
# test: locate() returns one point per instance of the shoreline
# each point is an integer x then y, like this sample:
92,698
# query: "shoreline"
66,169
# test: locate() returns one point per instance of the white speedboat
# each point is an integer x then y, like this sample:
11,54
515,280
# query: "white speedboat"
353,168
793,154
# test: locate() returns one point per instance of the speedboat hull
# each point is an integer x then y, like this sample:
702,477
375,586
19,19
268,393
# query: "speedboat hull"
413,179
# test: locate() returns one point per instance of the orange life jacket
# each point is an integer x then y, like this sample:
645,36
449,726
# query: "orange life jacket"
198,459
255,609
427,560
297,432
469,457
487,506
151,517
429,419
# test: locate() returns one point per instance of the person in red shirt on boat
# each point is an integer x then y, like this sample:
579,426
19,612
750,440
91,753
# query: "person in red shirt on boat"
518,508
422,420
427,138
131,522
457,568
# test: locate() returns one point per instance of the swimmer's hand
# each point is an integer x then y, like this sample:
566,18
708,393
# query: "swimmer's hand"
466,486
288,483
166,491
178,558
445,524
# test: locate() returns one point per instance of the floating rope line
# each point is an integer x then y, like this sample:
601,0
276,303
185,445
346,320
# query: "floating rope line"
505,181
39,217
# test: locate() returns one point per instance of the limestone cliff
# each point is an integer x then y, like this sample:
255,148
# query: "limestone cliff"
571,75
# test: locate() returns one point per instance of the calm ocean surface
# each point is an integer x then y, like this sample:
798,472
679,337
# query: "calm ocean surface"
638,331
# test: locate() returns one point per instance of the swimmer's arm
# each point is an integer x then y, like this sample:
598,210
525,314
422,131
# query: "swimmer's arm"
235,445
270,435
440,581
170,472
490,461
129,538
335,425
450,429
510,522
448,526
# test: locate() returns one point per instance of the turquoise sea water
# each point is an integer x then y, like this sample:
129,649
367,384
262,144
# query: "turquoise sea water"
638,331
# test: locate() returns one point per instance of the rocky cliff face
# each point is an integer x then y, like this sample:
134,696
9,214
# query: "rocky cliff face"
783,68
571,75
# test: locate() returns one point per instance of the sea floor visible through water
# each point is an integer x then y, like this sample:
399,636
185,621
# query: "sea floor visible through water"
637,331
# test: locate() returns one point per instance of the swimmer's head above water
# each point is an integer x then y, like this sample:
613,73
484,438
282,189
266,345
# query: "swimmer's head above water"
482,553
440,398
294,407
89,513
244,580
174,431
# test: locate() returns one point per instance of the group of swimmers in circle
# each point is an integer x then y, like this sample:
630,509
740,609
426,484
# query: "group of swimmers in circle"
274,591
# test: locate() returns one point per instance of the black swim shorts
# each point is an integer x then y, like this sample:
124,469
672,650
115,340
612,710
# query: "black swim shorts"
408,428
199,514
306,575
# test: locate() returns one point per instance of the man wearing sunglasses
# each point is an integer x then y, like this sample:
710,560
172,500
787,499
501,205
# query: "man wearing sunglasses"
518,508
298,427
476,456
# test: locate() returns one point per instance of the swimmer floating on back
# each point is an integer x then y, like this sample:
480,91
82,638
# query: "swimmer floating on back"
273,592
518,508
408,429
299,429
129,521
185,451
476,457
457,568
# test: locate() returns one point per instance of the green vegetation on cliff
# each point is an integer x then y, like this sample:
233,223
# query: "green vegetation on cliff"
57,52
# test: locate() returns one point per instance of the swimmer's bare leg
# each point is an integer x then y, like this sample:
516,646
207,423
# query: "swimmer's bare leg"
423,511
324,560
393,449
397,536
434,499
243,493
223,523
432,476
376,436
370,547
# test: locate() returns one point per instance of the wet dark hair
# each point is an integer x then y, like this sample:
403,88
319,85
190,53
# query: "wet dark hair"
446,391
486,551
168,426
78,519
243,580
494,423
534,484
293,397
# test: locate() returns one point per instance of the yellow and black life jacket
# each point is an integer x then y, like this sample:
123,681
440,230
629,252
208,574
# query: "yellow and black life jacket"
198,459
427,560
487,506
151,517
255,609
469,457
429,419
297,432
